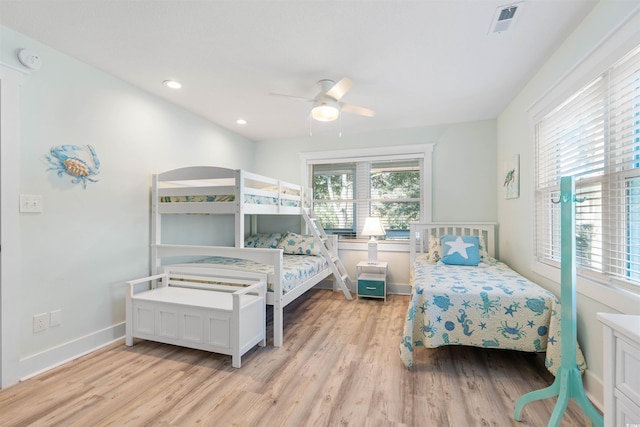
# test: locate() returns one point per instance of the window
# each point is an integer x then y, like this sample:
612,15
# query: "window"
348,189
595,137
334,200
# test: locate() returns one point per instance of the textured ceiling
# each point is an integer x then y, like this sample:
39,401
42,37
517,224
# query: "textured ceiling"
416,63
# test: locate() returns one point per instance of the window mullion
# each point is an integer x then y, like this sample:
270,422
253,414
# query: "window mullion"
363,194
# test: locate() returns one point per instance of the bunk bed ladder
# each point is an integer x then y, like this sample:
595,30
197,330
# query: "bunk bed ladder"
328,251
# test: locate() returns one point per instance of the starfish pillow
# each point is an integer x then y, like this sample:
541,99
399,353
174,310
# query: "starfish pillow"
460,250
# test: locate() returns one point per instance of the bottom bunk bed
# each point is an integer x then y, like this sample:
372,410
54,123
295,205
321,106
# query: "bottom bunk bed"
482,304
292,268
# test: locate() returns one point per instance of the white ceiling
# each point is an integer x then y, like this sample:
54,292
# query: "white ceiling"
416,63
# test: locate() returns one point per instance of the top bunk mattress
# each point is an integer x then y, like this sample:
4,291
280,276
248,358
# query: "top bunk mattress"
222,198
296,268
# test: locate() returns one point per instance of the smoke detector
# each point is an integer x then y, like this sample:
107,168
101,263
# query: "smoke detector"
505,18
29,59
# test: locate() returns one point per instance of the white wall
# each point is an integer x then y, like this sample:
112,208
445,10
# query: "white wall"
464,175
76,254
610,30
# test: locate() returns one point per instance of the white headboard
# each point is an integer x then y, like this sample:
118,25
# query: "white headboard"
420,233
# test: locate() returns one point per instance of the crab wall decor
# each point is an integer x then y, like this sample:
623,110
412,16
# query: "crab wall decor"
79,162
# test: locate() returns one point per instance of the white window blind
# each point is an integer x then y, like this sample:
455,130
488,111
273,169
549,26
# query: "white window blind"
334,192
595,137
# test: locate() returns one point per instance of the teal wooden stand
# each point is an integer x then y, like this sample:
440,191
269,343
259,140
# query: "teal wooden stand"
568,382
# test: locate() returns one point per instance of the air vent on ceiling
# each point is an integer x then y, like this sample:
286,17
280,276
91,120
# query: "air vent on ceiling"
505,17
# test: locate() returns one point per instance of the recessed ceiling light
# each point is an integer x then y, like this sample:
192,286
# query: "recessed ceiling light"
241,121
172,84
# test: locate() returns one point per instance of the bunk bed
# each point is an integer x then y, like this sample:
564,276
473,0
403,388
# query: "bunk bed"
483,305
205,190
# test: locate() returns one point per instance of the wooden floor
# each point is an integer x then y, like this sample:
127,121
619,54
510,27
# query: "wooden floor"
339,366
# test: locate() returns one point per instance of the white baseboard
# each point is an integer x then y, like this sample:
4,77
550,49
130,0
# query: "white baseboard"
399,289
392,288
41,362
594,389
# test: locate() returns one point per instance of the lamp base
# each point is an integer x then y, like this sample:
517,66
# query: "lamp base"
373,251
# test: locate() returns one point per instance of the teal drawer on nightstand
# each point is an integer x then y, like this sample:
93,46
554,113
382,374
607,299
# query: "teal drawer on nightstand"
372,288
372,279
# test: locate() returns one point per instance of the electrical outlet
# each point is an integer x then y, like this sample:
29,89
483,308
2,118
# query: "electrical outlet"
40,322
30,203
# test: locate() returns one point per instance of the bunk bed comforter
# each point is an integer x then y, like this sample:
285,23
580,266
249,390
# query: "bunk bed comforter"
488,305
296,268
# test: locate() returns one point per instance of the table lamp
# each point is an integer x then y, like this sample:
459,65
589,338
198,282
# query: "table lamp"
373,227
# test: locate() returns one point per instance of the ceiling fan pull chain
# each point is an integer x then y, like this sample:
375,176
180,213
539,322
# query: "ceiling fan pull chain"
340,127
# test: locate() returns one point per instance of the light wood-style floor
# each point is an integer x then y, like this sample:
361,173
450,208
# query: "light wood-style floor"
339,366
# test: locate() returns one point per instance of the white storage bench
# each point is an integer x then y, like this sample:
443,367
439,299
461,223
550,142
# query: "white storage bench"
207,309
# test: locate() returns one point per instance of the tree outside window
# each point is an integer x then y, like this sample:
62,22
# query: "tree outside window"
346,193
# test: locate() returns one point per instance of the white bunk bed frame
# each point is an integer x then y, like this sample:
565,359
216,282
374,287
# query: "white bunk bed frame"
205,180
215,181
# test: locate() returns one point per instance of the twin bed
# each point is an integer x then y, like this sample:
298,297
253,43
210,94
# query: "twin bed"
293,262
485,305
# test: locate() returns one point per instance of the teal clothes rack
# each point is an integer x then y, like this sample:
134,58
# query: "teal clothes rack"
568,381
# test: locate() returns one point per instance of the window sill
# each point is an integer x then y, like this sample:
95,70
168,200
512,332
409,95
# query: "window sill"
383,245
618,299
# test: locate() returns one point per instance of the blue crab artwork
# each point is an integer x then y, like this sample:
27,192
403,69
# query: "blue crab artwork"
429,330
514,332
66,159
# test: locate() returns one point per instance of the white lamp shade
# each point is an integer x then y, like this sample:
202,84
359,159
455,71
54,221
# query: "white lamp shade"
373,227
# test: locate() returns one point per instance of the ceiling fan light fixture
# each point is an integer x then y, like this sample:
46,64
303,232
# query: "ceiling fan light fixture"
172,84
325,112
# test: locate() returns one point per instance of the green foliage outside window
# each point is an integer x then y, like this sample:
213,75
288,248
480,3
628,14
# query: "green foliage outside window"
394,195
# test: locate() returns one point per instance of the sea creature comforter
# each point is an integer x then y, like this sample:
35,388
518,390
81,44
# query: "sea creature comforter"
485,306
296,268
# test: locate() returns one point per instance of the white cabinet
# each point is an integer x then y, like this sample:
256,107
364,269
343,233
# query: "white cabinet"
217,318
621,369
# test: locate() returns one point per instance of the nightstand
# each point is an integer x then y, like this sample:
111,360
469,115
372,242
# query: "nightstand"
372,279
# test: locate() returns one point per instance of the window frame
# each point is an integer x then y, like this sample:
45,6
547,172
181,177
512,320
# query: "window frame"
424,151
600,287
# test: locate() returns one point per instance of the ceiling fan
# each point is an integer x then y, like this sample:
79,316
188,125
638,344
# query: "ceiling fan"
327,105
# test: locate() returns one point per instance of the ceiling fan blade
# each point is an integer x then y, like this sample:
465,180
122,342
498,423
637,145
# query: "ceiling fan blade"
350,108
339,89
292,97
